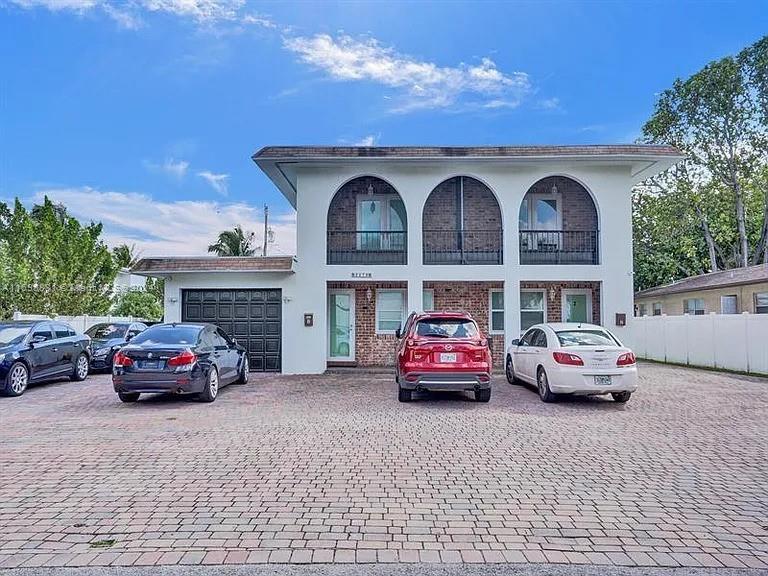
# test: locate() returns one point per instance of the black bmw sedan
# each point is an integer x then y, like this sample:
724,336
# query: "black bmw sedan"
179,358
107,338
36,351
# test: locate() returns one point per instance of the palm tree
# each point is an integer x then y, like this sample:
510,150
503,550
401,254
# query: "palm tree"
233,243
126,256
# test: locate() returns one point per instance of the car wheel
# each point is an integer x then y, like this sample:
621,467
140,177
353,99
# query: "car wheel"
17,380
404,395
211,389
243,377
621,397
128,397
509,371
483,395
543,384
80,371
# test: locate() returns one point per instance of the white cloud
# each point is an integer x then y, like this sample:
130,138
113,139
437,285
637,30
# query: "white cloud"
369,140
173,228
128,12
217,181
174,168
420,84
549,104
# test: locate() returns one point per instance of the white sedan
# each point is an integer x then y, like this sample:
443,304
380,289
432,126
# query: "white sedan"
570,358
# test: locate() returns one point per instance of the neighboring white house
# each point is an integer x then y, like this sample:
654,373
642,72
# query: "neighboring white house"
514,235
125,281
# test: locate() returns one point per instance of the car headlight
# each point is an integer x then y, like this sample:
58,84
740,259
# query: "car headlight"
102,351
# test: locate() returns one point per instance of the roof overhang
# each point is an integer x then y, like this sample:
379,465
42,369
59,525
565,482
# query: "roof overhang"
280,163
167,266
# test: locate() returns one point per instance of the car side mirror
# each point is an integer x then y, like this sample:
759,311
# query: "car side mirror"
515,342
398,333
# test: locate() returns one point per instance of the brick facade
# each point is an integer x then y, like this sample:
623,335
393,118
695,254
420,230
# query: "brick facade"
472,297
371,349
481,217
554,306
578,209
342,213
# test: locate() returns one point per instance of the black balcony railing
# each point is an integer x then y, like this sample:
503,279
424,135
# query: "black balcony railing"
463,247
559,247
369,247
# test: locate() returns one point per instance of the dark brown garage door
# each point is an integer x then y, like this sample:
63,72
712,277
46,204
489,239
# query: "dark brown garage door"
252,316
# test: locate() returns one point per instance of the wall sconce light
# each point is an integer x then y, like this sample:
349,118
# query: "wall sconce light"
369,294
286,299
552,293
173,299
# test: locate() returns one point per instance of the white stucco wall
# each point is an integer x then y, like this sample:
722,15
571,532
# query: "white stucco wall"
304,349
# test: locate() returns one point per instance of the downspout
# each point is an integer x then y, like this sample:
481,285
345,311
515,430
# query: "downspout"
460,216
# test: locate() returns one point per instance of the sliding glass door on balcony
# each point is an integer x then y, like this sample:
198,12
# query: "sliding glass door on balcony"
381,224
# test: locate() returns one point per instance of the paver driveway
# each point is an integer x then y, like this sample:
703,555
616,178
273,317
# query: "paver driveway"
333,468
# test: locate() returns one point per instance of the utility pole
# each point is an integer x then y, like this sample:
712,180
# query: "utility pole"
266,234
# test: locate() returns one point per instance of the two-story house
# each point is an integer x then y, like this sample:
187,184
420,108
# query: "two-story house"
514,235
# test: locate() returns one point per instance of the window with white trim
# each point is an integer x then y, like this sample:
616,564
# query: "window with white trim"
761,303
657,310
642,310
729,304
390,310
693,306
428,300
532,308
496,319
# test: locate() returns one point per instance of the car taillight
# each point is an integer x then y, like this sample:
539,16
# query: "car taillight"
186,358
567,358
478,355
121,360
626,359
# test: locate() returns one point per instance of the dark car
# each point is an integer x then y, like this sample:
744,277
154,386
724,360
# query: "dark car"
108,338
179,358
34,351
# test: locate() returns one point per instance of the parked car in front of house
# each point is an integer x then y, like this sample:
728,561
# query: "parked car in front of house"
179,358
107,338
443,351
572,358
35,351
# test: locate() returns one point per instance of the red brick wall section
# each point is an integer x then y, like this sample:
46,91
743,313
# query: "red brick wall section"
472,297
555,306
481,214
371,349
342,213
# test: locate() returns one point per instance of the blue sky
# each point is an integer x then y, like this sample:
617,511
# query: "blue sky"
143,114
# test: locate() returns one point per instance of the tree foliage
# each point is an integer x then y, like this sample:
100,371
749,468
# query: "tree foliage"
233,242
126,256
708,212
139,304
51,264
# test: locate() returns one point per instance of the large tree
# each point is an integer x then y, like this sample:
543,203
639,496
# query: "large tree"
233,242
717,117
51,264
126,256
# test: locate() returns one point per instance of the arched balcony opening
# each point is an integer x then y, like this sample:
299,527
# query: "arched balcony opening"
558,223
367,224
462,224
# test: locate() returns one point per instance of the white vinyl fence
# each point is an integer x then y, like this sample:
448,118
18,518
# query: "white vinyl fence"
79,323
729,341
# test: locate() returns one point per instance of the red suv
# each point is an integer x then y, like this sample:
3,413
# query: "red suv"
443,351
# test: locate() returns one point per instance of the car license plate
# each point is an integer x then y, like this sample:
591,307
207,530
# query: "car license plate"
150,364
448,357
603,380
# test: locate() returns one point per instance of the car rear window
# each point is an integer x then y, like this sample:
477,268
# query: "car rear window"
12,334
107,331
585,338
168,335
446,328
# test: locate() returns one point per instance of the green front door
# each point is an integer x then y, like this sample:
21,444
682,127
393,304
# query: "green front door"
576,308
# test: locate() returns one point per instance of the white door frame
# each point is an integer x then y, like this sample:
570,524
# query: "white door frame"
351,358
564,307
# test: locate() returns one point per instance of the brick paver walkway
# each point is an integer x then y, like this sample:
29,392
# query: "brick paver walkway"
334,469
